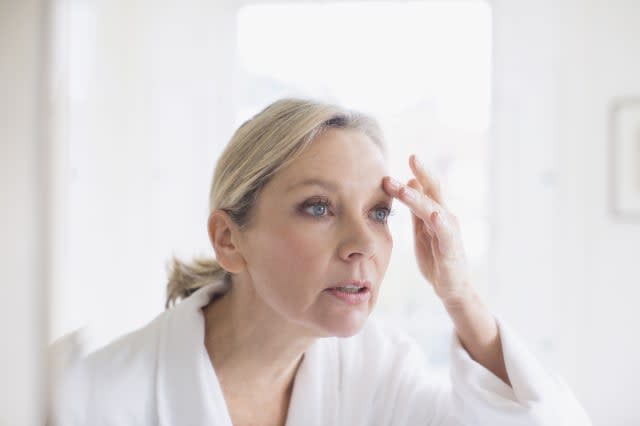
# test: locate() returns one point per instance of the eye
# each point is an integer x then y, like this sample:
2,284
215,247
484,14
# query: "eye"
380,214
316,208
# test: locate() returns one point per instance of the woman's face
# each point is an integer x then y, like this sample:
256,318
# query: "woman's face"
321,223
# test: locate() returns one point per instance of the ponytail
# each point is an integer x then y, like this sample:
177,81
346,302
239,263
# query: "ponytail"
185,279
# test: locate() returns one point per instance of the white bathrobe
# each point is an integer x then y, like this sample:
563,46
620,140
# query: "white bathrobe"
162,375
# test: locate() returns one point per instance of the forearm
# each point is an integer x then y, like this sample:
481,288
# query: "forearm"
479,334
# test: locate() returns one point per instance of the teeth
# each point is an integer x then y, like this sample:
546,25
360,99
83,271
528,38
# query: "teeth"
350,289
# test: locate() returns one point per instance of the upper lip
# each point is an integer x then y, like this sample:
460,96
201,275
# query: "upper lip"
345,283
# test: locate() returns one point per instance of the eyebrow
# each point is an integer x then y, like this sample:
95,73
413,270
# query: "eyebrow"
331,186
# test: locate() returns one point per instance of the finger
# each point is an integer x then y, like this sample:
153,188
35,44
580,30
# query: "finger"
438,225
419,225
435,219
447,235
429,183
415,185
418,202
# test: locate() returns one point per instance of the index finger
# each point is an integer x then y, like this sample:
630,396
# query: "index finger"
420,203
428,182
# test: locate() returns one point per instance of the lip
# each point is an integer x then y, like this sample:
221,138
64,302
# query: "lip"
358,298
359,283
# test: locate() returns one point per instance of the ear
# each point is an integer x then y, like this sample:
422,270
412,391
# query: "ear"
223,234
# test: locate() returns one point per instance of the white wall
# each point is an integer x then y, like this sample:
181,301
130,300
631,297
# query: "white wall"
148,103
602,63
23,241
559,65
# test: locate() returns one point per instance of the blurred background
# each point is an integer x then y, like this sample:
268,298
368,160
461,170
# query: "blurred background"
113,113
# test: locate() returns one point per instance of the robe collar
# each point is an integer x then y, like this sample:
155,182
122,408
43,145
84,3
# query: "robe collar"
188,390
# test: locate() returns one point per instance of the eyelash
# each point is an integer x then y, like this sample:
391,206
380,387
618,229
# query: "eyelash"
323,201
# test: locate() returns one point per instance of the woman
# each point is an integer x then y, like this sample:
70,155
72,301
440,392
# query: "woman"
274,331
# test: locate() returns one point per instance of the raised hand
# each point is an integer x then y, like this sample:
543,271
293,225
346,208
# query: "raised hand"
438,244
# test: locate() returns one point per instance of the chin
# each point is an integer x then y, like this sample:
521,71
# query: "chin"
347,328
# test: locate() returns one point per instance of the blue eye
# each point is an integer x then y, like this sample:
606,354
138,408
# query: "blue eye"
317,208
381,214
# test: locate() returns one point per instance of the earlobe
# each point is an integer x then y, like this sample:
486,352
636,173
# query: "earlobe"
222,235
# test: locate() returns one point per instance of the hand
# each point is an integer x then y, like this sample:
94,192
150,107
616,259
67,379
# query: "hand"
438,244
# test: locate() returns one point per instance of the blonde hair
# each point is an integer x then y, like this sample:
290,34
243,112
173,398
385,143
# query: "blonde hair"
260,148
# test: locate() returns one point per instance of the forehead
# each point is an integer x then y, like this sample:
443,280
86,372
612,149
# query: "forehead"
348,158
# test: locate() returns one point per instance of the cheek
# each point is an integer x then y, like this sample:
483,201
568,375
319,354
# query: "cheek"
286,251
299,249
386,246
388,243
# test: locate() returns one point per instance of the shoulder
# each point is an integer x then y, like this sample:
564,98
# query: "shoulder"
115,382
128,355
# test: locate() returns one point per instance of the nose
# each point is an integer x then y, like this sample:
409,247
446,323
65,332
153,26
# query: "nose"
357,240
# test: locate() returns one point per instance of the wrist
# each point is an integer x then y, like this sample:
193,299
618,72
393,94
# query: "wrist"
462,300
473,321
470,315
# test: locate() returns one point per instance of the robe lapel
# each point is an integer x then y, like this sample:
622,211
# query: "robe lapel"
315,400
188,392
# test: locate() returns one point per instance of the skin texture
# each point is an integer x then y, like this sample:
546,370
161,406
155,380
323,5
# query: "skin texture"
319,221
316,225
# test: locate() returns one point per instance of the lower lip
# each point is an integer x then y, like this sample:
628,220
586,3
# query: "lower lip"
351,298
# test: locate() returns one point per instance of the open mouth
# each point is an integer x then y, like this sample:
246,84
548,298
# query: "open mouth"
351,289
351,294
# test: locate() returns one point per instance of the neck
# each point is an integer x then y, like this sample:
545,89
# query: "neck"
252,348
